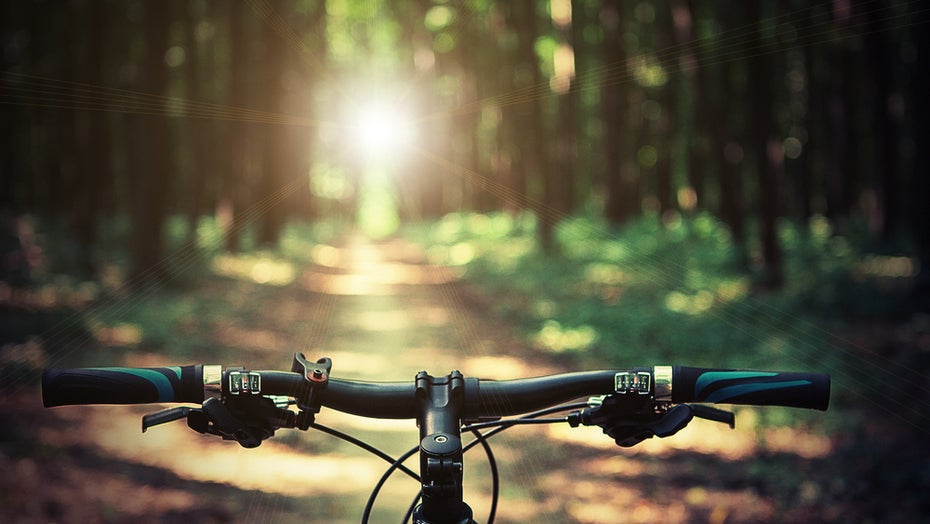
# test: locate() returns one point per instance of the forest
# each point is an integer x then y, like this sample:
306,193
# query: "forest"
679,176
253,113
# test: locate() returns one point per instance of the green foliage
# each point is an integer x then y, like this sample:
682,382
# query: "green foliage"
674,291
201,313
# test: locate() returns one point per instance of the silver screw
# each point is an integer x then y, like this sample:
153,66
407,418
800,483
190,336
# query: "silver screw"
440,438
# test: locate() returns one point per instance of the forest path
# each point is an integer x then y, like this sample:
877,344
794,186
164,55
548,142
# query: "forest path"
381,312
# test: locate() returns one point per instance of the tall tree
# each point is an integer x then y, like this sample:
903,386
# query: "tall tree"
840,113
683,18
152,182
276,157
94,143
726,155
666,125
813,170
510,165
886,209
919,211
429,186
766,147
620,179
529,119
198,133
235,179
525,117
464,64
558,191
311,24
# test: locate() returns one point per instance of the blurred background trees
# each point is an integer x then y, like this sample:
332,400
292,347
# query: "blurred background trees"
247,114
712,182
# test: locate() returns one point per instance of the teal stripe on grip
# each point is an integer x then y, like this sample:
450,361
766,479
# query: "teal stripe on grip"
710,377
161,382
722,395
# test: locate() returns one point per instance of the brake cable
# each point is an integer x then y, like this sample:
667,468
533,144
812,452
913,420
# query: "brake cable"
498,425
364,445
390,471
501,425
535,414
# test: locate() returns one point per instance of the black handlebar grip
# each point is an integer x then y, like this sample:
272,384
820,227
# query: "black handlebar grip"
761,388
64,387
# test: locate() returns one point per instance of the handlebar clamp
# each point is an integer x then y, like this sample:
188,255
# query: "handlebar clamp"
316,378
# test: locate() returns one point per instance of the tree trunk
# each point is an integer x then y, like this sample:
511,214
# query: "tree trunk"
153,178
234,186
768,155
683,16
839,107
667,124
198,133
303,203
276,137
558,190
885,211
919,211
528,117
95,172
620,177
816,171
510,164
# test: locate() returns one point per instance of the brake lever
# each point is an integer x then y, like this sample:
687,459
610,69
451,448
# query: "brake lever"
671,422
717,415
629,433
630,419
250,421
163,417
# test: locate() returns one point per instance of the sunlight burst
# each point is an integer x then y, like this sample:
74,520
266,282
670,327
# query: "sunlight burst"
382,129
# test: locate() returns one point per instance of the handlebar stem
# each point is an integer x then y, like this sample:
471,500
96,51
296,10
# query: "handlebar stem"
440,402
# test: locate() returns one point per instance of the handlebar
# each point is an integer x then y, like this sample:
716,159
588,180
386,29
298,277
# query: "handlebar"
397,400
121,385
759,388
249,406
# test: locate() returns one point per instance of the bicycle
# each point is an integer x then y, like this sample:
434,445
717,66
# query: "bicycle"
249,406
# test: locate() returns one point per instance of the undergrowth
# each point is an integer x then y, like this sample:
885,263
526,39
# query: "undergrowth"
680,291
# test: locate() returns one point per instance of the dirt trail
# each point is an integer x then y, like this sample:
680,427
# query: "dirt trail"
381,312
